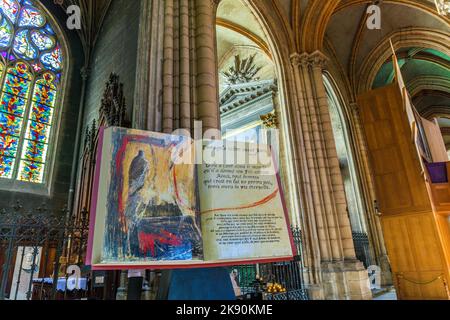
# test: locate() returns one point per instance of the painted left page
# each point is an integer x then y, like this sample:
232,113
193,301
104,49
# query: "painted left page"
146,208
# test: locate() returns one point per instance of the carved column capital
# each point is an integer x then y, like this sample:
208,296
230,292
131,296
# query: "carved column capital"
300,60
318,59
270,120
295,59
85,72
274,87
354,106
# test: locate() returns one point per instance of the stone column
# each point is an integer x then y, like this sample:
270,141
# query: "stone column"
185,67
312,224
168,68
177,81
331,174
206,58
147,110
342,276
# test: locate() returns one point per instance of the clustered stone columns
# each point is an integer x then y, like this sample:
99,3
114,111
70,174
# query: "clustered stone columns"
332,268
178,81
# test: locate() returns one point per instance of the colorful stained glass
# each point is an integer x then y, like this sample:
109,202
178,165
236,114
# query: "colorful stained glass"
31,17
6,167
42,41
6,33
21,70
10,8
31,171
34,151
44,95
49,29
41,113
36,67
48,80
33,59
8,145
10,124
53,60
22,47
38,131
17,86
12,104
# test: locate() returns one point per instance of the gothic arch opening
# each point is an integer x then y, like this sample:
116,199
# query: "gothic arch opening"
345,154
249,90
426,71
349,171
360,60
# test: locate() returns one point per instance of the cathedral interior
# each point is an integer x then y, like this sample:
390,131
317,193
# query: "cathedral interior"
368,221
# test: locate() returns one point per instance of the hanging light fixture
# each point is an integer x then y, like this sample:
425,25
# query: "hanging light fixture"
443,7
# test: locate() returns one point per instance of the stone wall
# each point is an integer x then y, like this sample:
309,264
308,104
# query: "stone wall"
115,51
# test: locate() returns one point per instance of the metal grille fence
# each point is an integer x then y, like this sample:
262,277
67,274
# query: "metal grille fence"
362,248
32,247
36,248
288,274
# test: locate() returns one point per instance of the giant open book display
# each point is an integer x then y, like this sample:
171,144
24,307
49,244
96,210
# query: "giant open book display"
154,207
411,176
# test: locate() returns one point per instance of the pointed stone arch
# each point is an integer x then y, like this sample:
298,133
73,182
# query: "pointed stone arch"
410,37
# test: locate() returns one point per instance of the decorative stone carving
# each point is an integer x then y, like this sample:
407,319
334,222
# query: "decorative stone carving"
112,113
295,59
243,71
113,107
270,120
85,72
354,106
90,136
316,59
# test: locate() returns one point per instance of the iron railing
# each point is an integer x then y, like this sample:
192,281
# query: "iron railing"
35,249
362,248
288,274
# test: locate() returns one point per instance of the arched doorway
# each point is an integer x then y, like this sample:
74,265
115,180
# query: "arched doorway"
250,93
250,110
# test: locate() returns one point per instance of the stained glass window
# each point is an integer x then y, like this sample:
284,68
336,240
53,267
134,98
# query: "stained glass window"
30,68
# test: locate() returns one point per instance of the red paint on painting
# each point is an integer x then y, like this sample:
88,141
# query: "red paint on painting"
147,241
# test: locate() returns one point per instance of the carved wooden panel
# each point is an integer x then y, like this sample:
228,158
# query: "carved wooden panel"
395,164
415,237
416,256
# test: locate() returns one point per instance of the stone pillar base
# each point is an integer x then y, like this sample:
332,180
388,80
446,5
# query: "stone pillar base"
386,274
346,280
315,292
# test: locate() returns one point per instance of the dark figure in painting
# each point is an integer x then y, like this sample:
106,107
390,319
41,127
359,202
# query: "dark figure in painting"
136,180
